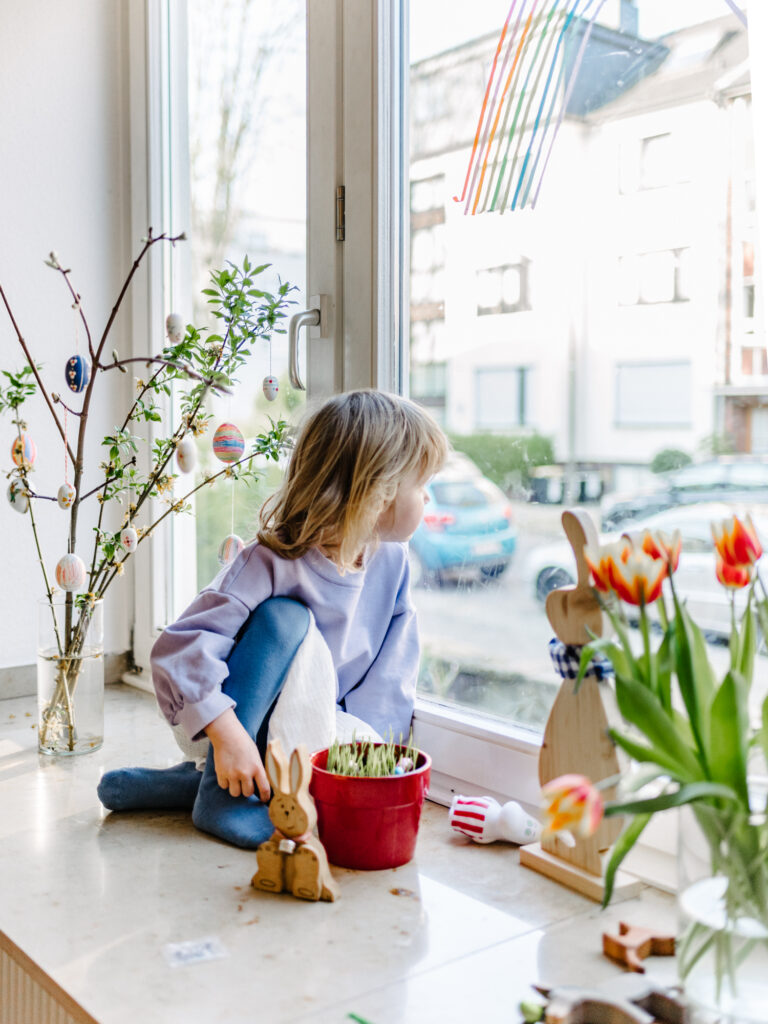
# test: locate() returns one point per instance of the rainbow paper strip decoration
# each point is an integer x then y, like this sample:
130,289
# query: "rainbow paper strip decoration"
516,127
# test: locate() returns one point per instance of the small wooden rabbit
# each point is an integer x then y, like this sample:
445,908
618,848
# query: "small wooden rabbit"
292,859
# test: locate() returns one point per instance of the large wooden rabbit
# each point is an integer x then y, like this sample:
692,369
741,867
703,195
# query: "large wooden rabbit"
292,859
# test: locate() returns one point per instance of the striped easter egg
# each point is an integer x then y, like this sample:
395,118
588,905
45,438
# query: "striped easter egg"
70,572
228,443
78,373
230,548
23,450
65,496
186,455
17,496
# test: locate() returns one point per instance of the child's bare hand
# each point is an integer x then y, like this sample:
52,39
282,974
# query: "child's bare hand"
236,757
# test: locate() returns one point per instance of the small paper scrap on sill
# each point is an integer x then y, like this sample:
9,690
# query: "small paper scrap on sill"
194,951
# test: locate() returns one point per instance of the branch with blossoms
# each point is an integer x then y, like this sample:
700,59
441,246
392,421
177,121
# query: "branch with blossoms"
194,362
688,729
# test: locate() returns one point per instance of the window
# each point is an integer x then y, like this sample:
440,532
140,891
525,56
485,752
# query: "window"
500,397
653,394
657,161
653,277
503,289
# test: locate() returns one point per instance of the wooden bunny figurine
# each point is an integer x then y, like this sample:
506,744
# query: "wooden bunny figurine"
293,859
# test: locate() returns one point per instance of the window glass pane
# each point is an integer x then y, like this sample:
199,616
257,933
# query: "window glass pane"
581,348
247,118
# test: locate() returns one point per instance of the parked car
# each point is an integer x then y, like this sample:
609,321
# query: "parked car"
550,566
727,479
467,526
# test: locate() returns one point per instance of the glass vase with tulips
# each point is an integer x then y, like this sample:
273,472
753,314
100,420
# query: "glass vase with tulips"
690,736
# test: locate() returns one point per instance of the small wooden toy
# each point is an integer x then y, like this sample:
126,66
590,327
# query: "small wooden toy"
293,859
484,820
576,738
634,944
627,999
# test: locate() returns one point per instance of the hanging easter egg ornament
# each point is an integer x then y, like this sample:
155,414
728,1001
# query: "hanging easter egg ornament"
78,373
186,455
230,548
174,327
65,496
129,539
70,572
228,443
270,388
17,496
23,450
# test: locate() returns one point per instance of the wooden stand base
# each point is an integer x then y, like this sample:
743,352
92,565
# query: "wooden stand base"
592,886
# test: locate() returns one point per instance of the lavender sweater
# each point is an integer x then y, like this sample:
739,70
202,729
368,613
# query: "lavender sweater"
366,618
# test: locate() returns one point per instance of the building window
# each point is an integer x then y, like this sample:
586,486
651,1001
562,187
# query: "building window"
653,394
503,289
657,161
501,397
652,277
429,387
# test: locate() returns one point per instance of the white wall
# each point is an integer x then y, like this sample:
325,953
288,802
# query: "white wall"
64,186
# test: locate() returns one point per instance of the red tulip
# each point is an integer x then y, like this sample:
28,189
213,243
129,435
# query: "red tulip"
658,544
734,576
639,579
601,559
737,543
572,806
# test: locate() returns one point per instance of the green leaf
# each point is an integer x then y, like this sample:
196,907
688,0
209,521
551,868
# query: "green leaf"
694,675
642,709
656,755
729,719
621,848
684,795
745,662
764,730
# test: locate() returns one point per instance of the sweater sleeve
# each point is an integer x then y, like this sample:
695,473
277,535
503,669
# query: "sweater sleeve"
189,659
386,695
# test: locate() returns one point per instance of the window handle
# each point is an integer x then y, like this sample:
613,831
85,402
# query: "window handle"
307,318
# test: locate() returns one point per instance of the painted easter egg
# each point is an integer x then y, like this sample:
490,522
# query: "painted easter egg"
70,572
186,455
228,443
78,373
174,327
65,496
230,548
23,450
17,496
270,388
129,539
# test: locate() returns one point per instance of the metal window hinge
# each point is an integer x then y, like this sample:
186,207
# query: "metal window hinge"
340,213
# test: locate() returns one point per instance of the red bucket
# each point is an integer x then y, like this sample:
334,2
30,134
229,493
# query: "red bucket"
368,823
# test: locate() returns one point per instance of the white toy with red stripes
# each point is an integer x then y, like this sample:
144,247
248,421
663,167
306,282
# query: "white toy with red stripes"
484,820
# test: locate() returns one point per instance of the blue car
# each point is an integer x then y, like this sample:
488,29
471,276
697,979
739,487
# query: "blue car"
467,528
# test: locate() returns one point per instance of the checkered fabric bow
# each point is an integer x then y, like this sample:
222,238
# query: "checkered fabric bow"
567,657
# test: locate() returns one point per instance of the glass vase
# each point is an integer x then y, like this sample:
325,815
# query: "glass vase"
70,676
722,950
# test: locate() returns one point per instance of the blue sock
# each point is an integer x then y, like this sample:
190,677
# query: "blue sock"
258,664
136,789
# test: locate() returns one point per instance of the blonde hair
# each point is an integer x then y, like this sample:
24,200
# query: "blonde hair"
349,459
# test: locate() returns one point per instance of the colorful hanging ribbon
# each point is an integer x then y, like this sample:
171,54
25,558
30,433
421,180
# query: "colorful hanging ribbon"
506,154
